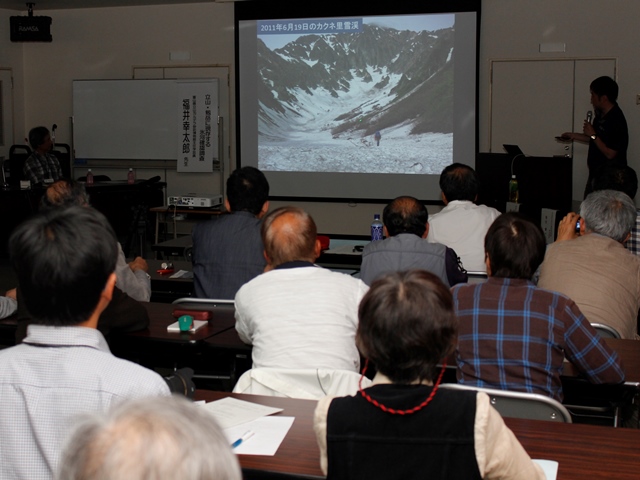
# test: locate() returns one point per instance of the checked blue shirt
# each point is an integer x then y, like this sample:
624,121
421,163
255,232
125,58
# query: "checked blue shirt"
513,335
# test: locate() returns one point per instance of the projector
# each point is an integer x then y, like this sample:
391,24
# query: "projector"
193,200
30,29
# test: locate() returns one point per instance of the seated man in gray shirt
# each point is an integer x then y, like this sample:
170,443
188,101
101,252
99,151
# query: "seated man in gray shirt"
228,249
406,225
65,263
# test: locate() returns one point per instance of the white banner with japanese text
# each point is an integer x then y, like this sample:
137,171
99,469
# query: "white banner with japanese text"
198,143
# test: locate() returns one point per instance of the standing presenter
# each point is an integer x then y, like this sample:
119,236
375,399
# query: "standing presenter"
608,136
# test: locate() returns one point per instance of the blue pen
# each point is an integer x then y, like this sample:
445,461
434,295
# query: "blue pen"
248,434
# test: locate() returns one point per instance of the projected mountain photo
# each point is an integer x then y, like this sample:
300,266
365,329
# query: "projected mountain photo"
379,100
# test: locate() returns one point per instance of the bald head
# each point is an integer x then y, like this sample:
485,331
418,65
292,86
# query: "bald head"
405,215
64,193
289,234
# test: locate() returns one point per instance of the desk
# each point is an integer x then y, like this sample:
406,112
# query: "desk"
155,347
583,451
341,256
166,289
199,213
227,349
174,247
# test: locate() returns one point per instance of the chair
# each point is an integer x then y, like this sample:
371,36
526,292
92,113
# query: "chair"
310,384
208,303
202,302
18,155
605,331
476,276
530,406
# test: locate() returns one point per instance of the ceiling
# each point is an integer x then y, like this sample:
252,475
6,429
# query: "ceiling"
21,6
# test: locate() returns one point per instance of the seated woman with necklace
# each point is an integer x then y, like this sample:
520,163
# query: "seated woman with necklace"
403,426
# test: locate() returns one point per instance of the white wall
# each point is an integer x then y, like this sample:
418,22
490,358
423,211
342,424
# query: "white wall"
513,29
11,56
107,43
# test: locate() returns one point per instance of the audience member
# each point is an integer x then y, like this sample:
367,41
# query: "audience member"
461,224
132,278
149,439
406,226
8,303
298,315
41,166
623,178
514,335
228,250
65,261
403,425
123,313
593,268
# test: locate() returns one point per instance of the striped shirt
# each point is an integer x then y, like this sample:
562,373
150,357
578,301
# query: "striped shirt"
514,336
39,168
633,244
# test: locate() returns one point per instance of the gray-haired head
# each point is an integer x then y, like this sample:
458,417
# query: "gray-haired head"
609,213
149,439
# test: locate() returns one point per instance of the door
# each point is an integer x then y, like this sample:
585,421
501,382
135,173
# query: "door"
533,101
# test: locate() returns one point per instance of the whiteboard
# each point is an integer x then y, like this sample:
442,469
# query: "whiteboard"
128,119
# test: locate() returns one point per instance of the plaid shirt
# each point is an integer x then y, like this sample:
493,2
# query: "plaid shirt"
38,168
514,336
633,244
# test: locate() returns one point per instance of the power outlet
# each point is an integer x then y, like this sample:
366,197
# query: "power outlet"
512,207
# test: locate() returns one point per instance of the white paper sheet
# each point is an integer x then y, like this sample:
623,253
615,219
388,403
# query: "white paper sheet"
197,325
230,411
182,274
269,432
550,468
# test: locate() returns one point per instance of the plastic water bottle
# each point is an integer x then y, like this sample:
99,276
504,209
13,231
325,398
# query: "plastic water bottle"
131,177
376,228
89,177
514,193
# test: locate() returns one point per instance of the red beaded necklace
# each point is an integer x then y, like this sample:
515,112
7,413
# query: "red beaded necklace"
393,411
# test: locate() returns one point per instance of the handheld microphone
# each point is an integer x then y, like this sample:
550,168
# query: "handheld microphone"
589,116
53,132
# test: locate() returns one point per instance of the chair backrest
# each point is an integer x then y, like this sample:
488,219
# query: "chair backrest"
605,331
18,155
310,384
531,406
202,301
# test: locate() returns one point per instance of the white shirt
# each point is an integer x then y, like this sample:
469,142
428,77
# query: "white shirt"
462,226
58,373
304,317
8,306
135,284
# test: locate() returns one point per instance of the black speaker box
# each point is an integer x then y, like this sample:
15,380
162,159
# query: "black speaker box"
30,29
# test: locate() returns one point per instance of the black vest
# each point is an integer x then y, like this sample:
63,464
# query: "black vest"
437,442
